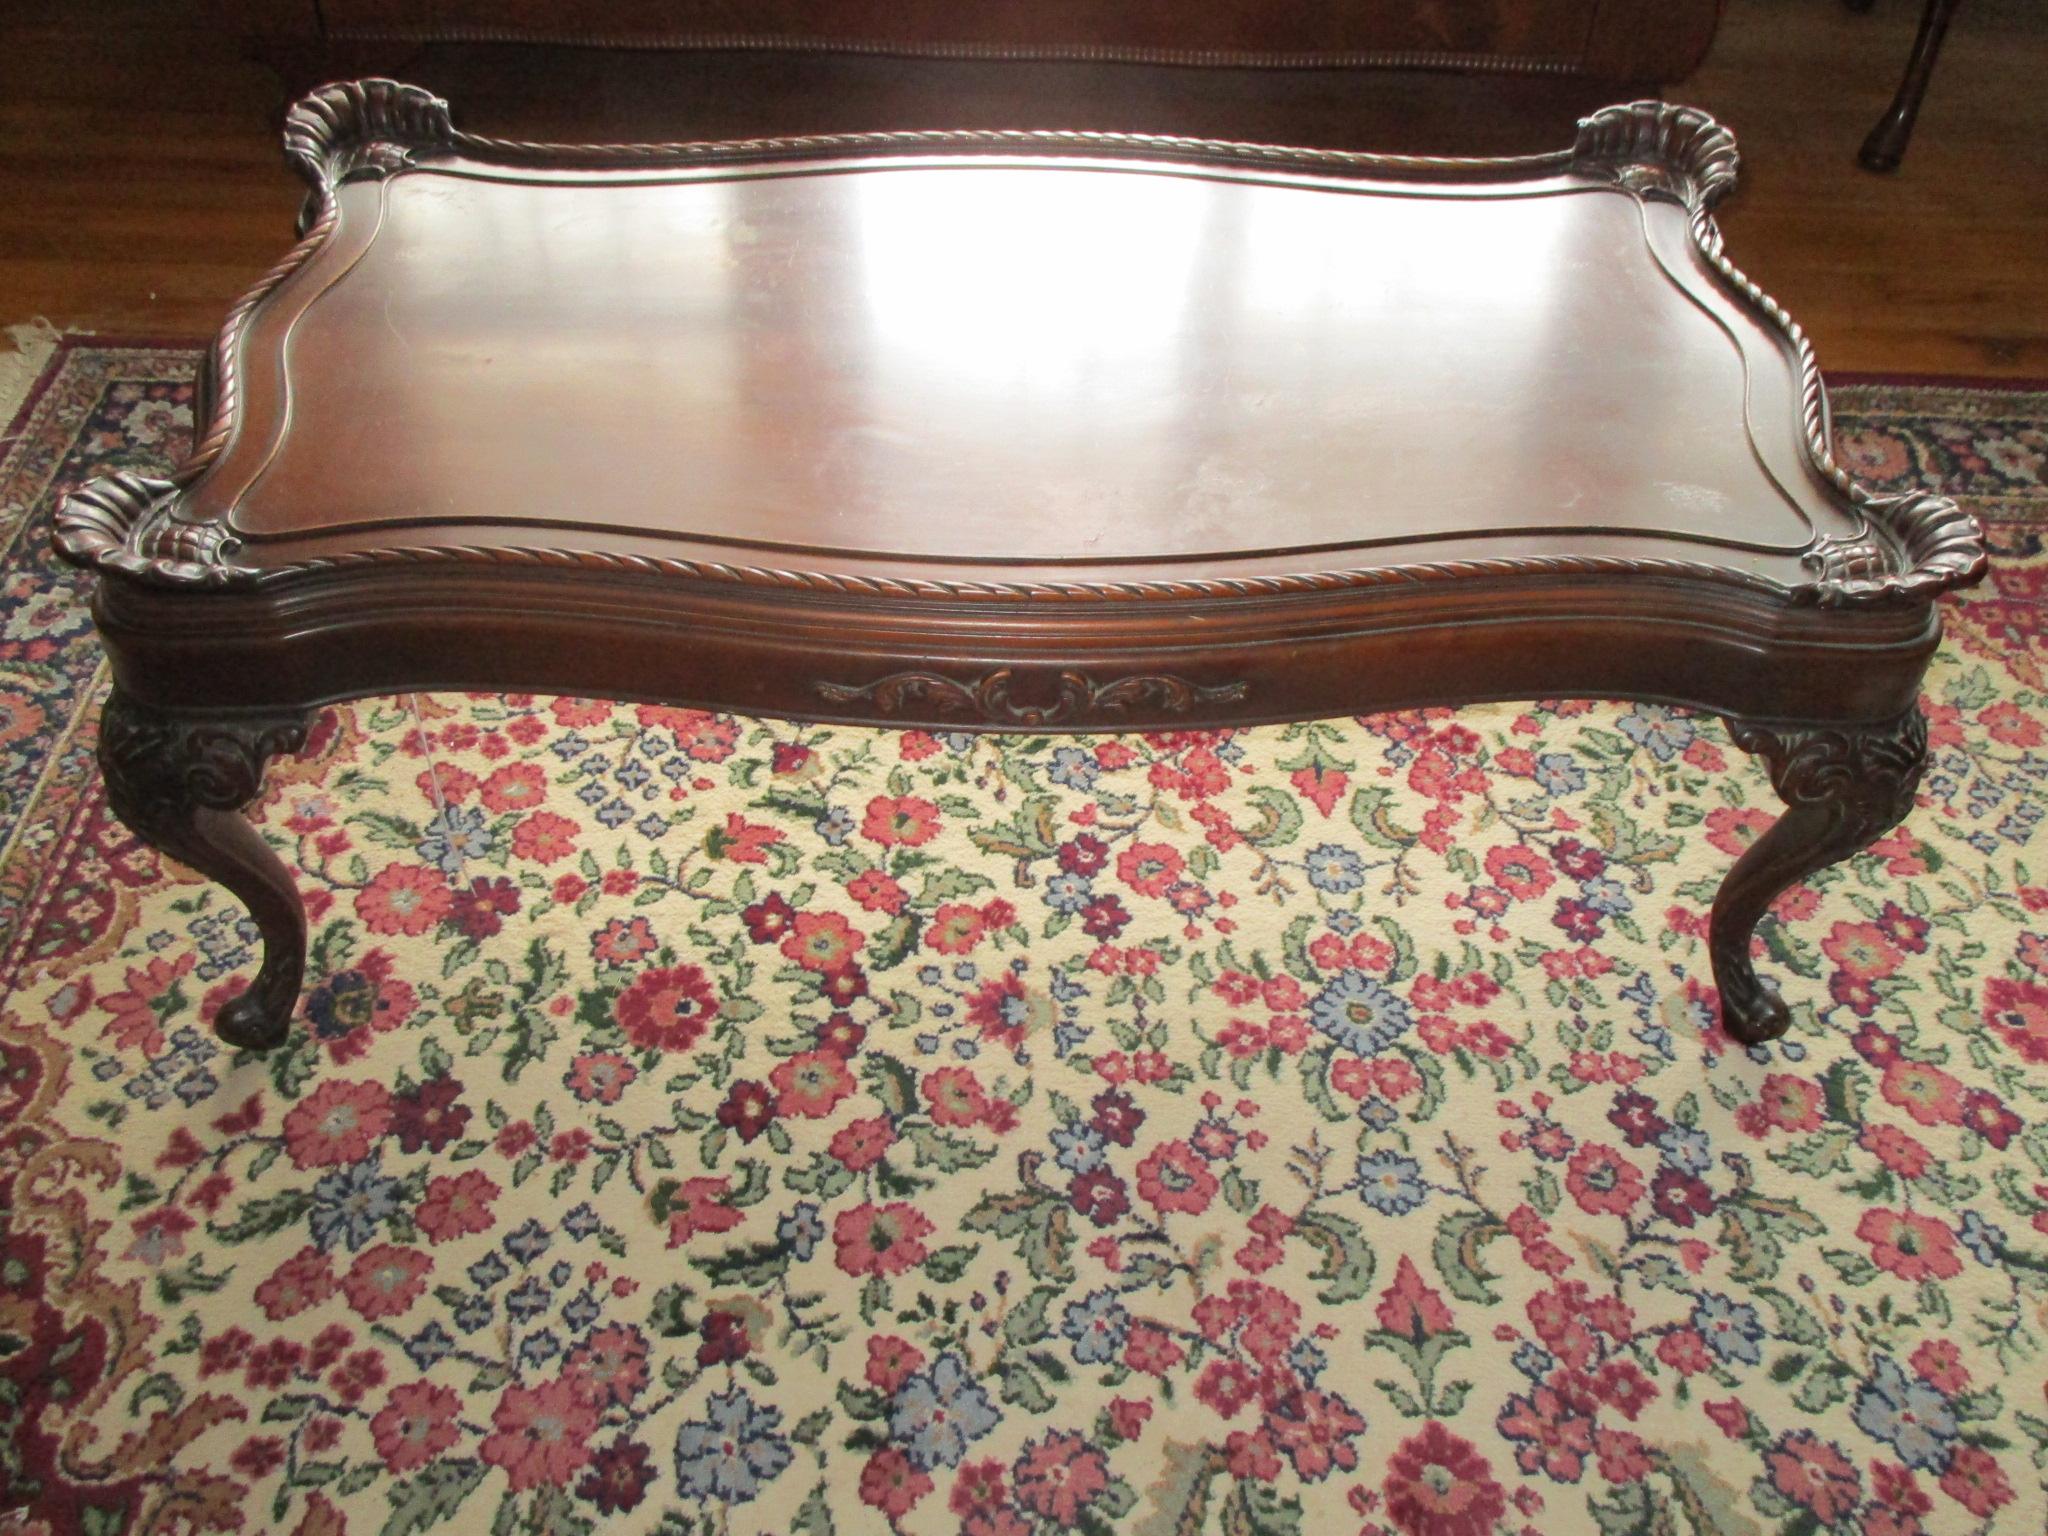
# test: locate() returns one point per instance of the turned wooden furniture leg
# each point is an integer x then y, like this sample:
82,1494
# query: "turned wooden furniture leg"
179,784
1844,787
1886,145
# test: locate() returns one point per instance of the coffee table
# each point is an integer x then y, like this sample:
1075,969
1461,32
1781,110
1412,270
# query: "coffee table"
1009,432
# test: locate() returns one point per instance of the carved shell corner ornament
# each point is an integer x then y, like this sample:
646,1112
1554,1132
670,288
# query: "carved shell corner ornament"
1659,149
355,129
992,698
125,523
1939,547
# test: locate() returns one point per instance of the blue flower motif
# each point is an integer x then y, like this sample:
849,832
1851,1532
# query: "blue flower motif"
1656,727
1308,1359
575,744
528,1299
455,833
836,825
592,793
802,1229
1605,895
1687,1149
632,773
488,1271
582,1311
581,1221
614,813
1333,867
1074,768
1907,1414
1360,1014
474,1312
527,1241
1533,1360
1077,1148
351,1204
1560,773
730,1452
1982,1239
1732,1329
538,1349
1066,892
429,1347
1391,1183
938,1413
1096,1326
651,826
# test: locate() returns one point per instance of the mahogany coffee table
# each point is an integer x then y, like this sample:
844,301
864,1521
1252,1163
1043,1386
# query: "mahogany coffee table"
1009,431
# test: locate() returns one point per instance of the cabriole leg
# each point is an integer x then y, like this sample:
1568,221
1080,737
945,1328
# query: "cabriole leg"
179,782
1844,787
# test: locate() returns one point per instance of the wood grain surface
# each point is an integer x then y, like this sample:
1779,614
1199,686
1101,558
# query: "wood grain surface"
141,188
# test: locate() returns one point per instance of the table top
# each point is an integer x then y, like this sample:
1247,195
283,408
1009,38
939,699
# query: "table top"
1039,365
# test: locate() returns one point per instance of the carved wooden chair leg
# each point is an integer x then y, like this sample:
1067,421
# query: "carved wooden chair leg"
179,783
1844,787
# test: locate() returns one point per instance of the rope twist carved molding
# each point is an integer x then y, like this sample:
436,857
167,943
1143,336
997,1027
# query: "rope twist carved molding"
993,697
1913,547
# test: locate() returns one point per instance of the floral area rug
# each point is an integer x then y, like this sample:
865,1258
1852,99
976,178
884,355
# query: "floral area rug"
700,1124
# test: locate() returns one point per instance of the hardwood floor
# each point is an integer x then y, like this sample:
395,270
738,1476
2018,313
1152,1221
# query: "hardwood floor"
141,188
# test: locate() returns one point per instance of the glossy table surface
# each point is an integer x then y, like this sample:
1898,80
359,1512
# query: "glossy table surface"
1061,368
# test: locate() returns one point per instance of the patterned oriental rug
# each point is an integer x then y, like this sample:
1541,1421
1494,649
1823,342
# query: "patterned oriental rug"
701,1124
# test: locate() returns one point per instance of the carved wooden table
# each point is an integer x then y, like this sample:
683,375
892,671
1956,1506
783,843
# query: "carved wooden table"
1009,432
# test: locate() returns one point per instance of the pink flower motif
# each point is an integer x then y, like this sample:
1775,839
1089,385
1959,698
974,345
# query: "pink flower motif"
542,1435
1814,1474
1173,1178
337,1123
415,1425
1059,1475
386,1280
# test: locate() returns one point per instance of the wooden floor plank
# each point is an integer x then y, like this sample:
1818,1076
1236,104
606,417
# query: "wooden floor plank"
141,187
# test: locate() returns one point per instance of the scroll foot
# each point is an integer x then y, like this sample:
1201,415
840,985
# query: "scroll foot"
1844,787
179,782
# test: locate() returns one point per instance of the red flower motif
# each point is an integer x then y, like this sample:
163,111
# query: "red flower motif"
1149,868
455,1206
889,1482
1973,1480
2018,1010
610,1367
544,837
542,1435
880,1239
955,1095
386,1280
900,821
301,1282
1814,1474
956,929
1909,1246
415,1425
1439,1485
860,1144
1174,1178
404,898
668,1008
749,1109
515,787
337,1123
821,941
1058,1476
811,1084
891,1361
1412,1309
1602,1181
